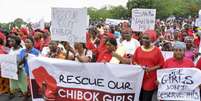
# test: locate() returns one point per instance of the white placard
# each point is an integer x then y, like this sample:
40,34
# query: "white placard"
9,66
167,54
143,19
69,24
179,84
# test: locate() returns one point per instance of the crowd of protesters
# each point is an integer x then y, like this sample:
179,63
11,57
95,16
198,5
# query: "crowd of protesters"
108,44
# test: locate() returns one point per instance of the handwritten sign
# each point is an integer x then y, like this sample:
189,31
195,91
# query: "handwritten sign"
143,19
167,54
179,84
73,81
9,66
69,24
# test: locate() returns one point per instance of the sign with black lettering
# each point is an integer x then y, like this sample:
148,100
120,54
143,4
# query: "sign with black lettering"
69,24
179,84
73,81
8,66
143,19
167,54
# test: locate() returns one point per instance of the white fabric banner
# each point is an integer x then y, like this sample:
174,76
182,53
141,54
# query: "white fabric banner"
143,19
9,66
69,24
75,81
179,84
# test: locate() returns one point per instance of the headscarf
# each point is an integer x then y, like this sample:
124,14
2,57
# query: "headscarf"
179,45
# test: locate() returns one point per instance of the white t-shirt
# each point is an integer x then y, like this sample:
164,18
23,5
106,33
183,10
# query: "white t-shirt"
131,45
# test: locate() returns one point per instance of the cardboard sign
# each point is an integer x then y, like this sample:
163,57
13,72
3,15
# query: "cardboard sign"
179,84
9,66
69,24
143,19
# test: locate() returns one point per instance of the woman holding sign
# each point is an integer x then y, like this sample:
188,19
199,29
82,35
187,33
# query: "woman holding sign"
4,83
151,59
21,83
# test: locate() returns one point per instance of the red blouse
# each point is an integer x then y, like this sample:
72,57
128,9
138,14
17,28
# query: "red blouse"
104,56
184,63
198,65
148,59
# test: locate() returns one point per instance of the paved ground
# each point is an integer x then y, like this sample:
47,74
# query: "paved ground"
5,97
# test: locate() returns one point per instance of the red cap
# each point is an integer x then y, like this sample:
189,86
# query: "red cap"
152,34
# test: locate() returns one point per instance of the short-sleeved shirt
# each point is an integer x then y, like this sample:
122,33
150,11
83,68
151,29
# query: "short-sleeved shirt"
22,55
149,59
174,63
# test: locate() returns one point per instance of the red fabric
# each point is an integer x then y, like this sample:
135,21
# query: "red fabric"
148,59
180,36
197,42
104,56
111,35
190,32
38,44
2,36
198,65
24,31
41,75
89,44
2,50
152,34
173,63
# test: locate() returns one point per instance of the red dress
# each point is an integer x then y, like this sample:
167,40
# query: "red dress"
173,63
148,59
198,65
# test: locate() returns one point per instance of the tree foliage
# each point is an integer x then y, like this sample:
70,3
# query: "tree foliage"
164,8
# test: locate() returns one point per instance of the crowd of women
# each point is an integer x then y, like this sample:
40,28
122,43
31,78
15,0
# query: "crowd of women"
108,44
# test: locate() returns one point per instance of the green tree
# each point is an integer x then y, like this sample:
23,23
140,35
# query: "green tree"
119,12
139,4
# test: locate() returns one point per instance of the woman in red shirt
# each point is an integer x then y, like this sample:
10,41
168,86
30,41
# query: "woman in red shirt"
179,60
151,59
38,41
106,55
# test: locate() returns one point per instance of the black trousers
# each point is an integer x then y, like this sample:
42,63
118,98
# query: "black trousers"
146,95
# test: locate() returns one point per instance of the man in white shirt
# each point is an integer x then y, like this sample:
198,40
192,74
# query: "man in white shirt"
129,43
126,49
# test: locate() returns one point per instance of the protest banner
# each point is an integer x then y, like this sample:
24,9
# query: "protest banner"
74,81
167,54
179,84
69,24
143,19
114,21
9,66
